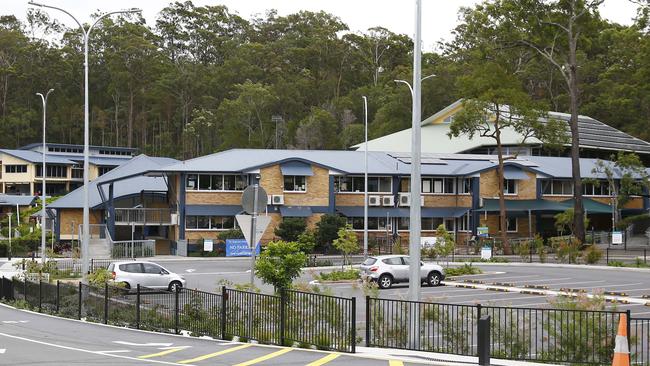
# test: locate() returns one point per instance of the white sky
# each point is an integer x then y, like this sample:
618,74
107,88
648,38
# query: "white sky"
438,16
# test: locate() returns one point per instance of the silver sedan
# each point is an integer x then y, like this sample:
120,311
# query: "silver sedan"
389,269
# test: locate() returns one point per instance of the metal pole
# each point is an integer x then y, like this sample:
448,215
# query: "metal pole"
253,243
43,175
365,189
415,209
86,209
9,214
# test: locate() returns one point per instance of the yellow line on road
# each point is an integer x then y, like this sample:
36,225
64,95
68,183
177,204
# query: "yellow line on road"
166,352
265,357
395,363
324,360
210,355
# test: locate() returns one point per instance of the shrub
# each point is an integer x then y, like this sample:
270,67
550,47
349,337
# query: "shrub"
99,277
280,263
465,269
307,242
231,234
350,274
290,228
327,230
346,242
593,254
568,250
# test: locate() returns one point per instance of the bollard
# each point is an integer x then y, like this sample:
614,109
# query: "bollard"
484,341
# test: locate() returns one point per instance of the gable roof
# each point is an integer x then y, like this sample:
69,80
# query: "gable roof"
128,180
36,157
16,200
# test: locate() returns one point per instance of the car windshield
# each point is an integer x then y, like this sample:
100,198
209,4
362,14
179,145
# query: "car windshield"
369,261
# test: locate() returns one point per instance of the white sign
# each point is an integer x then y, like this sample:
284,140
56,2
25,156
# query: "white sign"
428,241
207,245
246,221
486,253
617,237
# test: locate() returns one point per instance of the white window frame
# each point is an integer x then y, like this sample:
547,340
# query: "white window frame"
508,224
516,186
209,217
294,184
362,188
223,177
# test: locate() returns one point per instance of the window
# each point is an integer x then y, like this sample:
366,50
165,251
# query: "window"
431,185
463,223
131,267
215,182
77,173
395,261
105,169
53,171
509,186
295,183
210,223
559,187
427,223
511,224
16,168
356,184
374,223
151,268
601,189
465,186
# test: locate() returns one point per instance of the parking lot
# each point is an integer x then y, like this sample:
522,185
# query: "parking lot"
208,274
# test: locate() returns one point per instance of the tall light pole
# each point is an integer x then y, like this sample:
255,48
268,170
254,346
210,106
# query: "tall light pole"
43,175
9,214
365,182
86,210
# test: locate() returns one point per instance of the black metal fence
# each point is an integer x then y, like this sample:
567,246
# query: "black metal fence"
291,318
542,335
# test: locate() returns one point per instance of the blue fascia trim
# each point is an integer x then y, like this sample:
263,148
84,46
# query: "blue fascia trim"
181,207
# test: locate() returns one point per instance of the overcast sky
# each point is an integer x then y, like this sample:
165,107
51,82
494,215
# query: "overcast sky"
439,16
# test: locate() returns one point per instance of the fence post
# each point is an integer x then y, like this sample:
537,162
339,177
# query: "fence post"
607,256
2,288
80,290
92,265
25,289
368,321
478,311
283,319
644,256
106,303
628,325
176,318
58,291
137,307
353,326
224,297
484,341
40,295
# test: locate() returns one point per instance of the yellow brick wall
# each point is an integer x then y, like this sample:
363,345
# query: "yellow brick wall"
317,193
68,215
213,198
492,222
447,200
349,199
489,186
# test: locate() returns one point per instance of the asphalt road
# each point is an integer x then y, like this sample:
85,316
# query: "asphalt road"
208,274
34,339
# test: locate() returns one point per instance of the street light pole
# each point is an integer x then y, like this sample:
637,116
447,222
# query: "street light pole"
43,175
9,214
86,210
365,182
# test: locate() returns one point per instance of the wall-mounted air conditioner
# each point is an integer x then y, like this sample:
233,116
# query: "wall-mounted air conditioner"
374,200
277,199
388,201
404,199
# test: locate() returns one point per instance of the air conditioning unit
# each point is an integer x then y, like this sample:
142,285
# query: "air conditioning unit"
374,200
277,199
173,219
388,201
404,199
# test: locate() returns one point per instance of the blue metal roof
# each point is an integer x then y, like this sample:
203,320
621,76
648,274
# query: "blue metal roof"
128,180
295,211
13,200
512,172
36,157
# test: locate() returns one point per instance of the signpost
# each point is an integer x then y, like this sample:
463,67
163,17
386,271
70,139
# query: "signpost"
207,245
617,237
253,200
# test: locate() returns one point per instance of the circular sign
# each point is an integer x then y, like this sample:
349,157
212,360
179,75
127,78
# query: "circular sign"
248,199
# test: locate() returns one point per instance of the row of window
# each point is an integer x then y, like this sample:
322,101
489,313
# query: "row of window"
437,185
565,188
52,171
210,222
15,168
403,223
215,182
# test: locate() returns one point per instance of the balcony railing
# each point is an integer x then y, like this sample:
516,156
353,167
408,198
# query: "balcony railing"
143,216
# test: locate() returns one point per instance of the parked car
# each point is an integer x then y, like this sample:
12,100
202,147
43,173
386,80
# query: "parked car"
147,274
389,269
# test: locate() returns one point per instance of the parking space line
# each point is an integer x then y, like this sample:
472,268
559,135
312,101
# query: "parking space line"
395,363
324,360
503,278
215,354
165,352
502,300
265,357
545,279
574,283
609,286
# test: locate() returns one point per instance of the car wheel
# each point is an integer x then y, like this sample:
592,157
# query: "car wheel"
175,286
385,281
434,279
126,285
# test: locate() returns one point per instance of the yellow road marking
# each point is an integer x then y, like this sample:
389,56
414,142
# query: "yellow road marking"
210,355
324,360
265,357
395,363
166,352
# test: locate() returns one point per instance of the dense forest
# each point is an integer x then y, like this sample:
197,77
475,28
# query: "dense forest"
203,79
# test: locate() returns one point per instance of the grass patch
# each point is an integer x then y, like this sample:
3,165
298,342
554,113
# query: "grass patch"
349,274
637,264
466,269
